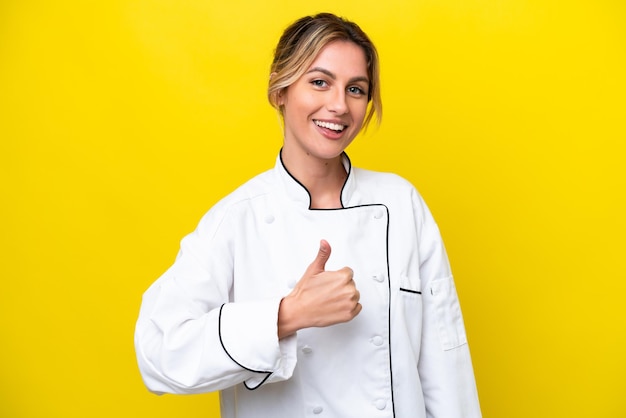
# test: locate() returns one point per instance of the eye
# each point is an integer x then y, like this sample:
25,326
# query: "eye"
356,91
319,83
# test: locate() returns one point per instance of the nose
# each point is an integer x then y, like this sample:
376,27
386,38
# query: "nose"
337,102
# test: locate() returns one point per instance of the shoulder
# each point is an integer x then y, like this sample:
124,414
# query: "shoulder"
258,186
398,193
383,180
232,206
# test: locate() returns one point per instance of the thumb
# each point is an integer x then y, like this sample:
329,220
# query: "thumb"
319,264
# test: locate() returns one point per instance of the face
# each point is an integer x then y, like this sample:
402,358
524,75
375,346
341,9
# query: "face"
324,109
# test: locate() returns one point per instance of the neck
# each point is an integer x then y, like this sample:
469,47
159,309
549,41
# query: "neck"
324,179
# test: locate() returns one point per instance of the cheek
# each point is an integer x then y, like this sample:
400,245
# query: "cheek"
300,107
358,111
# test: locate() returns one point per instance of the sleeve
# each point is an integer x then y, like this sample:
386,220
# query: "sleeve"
445,365
191,338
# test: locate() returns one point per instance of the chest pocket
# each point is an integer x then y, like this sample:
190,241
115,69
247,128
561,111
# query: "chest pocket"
410,296
410,285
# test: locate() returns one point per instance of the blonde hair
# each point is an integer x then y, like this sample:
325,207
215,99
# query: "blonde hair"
303,40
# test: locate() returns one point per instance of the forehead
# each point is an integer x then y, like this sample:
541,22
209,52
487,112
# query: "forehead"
342,58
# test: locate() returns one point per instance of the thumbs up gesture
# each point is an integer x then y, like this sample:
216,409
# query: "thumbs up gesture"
320,299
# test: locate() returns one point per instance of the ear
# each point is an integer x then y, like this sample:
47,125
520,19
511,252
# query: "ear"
280,97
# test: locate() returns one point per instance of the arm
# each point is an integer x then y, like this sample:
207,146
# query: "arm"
445,364
191,338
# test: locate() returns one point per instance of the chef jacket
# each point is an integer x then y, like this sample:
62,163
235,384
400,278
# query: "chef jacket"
210,321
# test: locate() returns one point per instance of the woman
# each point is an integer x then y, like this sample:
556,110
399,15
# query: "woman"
371,325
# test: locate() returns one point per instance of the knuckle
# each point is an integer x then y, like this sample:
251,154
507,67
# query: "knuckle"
347,273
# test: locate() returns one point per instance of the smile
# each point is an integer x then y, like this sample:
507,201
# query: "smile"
329,125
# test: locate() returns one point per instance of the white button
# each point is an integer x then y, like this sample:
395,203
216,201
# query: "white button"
307,350
380,404
318,410
269,219
379,278
377,340
379,214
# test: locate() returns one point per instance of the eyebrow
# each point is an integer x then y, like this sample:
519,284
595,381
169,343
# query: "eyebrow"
331,75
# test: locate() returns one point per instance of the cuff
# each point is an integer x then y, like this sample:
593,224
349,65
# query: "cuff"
249,335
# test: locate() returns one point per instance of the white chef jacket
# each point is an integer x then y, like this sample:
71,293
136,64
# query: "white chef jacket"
210,321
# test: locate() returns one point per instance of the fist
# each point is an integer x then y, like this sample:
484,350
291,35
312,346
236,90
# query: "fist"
321,298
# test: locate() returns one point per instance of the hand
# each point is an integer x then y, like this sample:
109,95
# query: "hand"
320,299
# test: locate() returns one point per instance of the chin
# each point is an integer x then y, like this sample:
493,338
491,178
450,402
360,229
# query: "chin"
330,152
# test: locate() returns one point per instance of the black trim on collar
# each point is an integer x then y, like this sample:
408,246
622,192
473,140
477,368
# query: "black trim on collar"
347,177
343,154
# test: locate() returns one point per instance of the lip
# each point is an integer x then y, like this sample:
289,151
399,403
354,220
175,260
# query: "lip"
329,133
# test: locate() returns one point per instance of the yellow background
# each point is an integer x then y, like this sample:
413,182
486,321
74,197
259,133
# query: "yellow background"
122,122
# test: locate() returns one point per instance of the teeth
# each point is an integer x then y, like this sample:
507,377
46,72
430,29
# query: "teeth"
329,125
